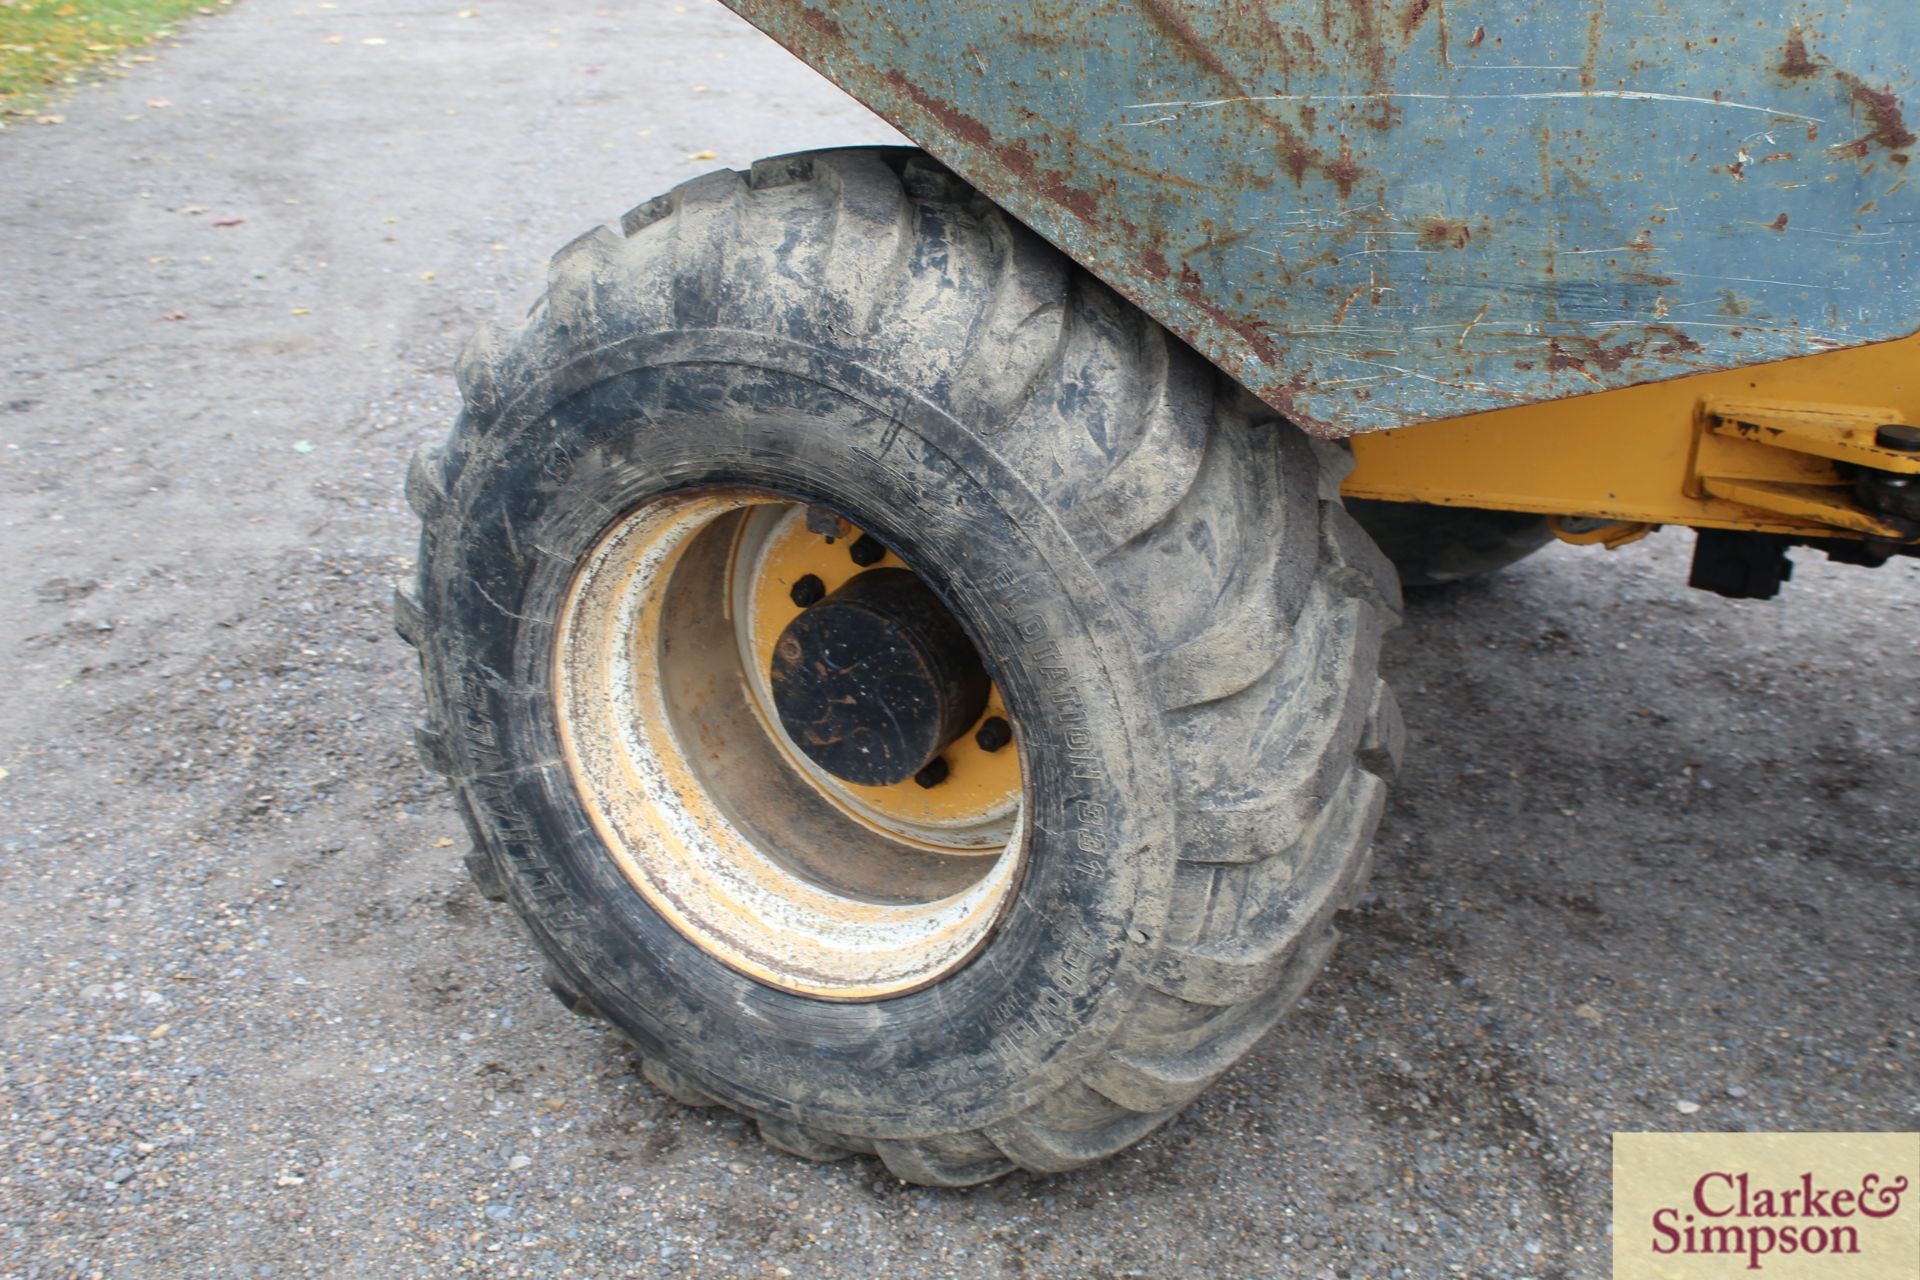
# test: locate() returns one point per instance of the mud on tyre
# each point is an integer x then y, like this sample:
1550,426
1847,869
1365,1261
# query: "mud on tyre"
1177,619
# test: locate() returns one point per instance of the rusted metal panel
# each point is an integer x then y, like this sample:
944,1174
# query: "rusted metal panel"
1374,212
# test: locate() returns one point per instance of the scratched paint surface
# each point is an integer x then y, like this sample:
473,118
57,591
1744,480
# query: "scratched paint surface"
1376,212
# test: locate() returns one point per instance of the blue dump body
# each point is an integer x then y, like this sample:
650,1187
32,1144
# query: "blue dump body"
1377,212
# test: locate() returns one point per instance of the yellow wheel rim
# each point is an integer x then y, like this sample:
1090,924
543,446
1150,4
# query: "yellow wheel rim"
665,716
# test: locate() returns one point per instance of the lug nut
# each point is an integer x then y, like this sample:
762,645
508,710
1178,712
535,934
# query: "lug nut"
823,522
934,774
1899,437
807,591
866,550
994,734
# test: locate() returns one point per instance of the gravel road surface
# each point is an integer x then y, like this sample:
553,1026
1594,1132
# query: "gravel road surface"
1652,864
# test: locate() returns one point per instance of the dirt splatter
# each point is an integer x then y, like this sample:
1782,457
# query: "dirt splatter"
1778,224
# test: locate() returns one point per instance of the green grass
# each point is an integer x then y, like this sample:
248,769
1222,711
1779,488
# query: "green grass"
47,45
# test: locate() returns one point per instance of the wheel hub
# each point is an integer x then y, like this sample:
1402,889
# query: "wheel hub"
876,679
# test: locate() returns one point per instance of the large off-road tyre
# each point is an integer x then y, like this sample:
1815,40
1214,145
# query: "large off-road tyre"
1177,617
1432,546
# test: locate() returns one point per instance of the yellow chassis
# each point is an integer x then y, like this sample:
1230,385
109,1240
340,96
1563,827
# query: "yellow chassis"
1764,448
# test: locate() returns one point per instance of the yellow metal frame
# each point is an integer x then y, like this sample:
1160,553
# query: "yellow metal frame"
1756,448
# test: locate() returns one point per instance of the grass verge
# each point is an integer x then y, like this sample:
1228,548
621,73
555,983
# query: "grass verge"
49,45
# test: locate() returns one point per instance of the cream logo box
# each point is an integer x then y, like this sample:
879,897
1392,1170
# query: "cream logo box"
1789,1206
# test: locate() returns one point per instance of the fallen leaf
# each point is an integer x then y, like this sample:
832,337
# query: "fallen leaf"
174,315
426,275
49,119
195,208
468,13
158,102
1587,1012
303,311
333,40
302,446
443,843
3,774
228,222
704,155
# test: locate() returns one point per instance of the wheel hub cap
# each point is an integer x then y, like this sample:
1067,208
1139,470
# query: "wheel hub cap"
876,679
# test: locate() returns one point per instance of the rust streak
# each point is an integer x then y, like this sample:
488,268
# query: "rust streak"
1193,290
1677,342
1016,156
1297,155
1883,113
1167,16
822,23
1416,13
1340,316
1794,63
1559,361
1120,160
1344,172
1589,65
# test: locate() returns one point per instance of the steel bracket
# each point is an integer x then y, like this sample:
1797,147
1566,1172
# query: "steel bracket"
1801,462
